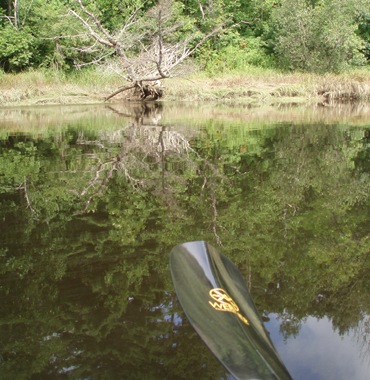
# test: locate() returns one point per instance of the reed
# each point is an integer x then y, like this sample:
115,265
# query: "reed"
350,86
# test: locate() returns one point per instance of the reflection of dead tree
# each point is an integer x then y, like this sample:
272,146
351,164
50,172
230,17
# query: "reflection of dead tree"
101,176
142,146
163,159
147,113
211,185
23,186
160,142
100,180
159,139
82,141
362,336
144,51
148,152
215,217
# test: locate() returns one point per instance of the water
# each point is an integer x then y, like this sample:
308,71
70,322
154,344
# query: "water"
93,198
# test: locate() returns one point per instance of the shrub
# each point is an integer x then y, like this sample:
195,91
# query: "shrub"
316,38
239,55
17,48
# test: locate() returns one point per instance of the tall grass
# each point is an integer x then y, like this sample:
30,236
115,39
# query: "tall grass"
250,83
54,86
93,77
352,85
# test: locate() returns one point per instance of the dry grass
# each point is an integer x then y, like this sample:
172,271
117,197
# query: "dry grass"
253,86
52,87
349,87
261,87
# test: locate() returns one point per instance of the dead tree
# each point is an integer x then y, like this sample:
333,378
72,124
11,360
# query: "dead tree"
143,52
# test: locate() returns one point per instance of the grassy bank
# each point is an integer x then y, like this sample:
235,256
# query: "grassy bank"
252,86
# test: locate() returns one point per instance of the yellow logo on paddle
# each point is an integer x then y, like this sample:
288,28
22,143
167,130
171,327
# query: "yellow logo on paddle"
223,302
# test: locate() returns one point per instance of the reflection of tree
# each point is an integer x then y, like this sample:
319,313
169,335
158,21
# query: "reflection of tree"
24,188
89,292
75,278
362,336
82,327
290,324
308,226
142,149
150,157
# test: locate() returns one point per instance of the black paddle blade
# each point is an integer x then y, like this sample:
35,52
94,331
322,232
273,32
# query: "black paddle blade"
213,294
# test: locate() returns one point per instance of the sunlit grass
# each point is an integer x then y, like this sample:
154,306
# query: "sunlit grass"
252,84
351,85
55,87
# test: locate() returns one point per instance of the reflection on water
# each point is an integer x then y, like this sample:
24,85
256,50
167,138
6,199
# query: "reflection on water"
324,353
92,200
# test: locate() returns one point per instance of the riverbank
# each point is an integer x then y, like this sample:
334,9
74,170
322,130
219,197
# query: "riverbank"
253,86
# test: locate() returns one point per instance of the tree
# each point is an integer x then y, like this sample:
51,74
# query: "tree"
364,32
146,49
307,36
30,32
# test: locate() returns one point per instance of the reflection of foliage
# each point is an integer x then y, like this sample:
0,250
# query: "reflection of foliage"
307,227
88,219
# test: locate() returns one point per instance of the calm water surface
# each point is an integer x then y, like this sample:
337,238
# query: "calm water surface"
93,198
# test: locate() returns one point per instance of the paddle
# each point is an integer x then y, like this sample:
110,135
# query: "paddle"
213,294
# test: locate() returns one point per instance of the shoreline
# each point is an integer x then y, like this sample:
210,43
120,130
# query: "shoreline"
261,87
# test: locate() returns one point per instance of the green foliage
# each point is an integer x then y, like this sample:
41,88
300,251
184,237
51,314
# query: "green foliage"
364,33
236,55
115,13
17,166
43,37
179,25
298,35
55,31
17,48
307,37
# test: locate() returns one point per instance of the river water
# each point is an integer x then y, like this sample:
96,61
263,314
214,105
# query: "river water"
93,198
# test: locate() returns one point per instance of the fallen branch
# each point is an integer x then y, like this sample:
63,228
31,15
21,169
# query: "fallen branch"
122,89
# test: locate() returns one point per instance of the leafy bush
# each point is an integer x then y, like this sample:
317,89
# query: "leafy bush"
17,48
237,56
364,32
316,38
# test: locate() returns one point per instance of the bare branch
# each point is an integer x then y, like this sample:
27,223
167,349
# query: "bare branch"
145,45
122,89
201,10
24,187
94,62
64,37
109,40
10,19
92,33
132,20
160,46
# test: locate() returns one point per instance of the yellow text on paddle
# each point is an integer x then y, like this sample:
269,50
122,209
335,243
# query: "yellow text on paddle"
223,302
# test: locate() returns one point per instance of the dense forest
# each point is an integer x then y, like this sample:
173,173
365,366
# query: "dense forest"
304,35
